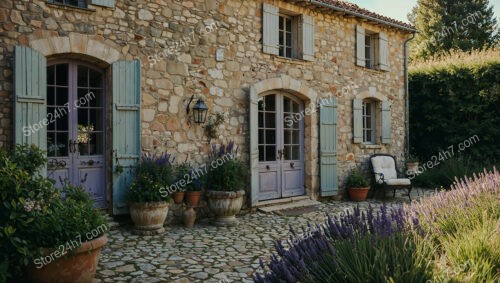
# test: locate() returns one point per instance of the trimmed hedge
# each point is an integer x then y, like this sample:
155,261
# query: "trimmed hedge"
454,99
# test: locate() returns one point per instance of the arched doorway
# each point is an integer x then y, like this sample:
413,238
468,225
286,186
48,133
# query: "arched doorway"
76,136
280,146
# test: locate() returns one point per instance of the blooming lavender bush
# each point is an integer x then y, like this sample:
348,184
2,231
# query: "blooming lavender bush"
452,236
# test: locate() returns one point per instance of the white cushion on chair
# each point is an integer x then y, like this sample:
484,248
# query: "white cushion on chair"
386,166
398,182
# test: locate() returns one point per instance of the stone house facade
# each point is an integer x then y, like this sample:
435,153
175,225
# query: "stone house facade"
309,89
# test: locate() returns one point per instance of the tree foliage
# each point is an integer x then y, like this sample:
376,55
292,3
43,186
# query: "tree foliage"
449,24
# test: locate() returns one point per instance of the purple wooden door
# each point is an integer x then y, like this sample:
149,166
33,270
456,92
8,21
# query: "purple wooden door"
281,140
75,133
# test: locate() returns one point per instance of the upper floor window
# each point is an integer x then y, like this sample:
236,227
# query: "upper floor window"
287,34
372,49
75,3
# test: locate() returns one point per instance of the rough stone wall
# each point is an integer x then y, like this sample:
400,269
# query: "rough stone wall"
138,29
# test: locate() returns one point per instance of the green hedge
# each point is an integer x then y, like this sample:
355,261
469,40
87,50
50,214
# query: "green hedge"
452,100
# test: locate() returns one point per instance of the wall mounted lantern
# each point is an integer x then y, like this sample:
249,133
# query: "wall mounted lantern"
200,110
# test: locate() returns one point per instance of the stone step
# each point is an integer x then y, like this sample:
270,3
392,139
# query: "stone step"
290,205
280,201
112,224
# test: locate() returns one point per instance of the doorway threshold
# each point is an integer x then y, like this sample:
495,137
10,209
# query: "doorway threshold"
272,206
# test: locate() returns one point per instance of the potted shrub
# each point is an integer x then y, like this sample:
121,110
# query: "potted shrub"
192,185
46,235
412,164
148,206
357,186
225,182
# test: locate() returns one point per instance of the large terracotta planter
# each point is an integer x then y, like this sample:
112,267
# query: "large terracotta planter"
358,194
77,266
225,206
193,198
149,217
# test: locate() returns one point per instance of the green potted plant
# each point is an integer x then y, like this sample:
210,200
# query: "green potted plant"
148,206
46,235
412,163
191,187
225,181
357,186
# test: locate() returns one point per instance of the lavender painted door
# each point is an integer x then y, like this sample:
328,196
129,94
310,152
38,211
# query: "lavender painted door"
75,132
281,142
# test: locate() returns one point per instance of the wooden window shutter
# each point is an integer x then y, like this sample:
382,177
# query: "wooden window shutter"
360,46
386,122
126,89
328,149
270,29
104,3
30,94
357,113
383,52
307,37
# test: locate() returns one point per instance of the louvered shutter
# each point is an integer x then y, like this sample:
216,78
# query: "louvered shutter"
357,113
328,149
307,38
386,122
383,55
360,46
30,93
270,29
126,128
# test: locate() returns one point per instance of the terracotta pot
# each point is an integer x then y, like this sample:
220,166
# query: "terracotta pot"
77,265
412,167
189,217
178,197
149,217
358,194
225,205
193,198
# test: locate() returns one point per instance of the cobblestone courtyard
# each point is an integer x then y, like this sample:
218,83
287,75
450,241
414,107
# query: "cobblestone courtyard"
206,253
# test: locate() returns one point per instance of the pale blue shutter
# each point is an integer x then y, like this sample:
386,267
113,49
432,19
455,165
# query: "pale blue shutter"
104,3
30,92
360,46
357,123
386,122
383,50
126,128
270,29
328,148
307,38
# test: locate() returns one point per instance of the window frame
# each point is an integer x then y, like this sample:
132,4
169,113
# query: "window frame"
371,59
372,128
63,3
283,32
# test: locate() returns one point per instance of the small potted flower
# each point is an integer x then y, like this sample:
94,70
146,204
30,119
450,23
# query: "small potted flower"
84,138
225,184
49,235
357,186
148,205
412,164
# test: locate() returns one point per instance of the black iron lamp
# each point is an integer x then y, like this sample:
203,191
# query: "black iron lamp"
200,110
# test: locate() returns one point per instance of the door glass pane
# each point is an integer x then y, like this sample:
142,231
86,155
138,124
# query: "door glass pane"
51,98
51,78
295,137
95,119
287,135
62,74
270,137
295,152
83,116
288,152
271,153
262,153
295,107
95,79
62,143
261,136
286,104
270,103
261,120
83,76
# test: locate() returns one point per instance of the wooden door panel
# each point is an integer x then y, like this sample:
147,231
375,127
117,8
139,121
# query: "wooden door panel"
91,177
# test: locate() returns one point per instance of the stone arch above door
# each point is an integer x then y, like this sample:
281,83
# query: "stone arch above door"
309,97
76,43
371,92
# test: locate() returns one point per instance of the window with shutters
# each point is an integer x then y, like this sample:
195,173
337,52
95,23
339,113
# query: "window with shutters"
287,34
369,121
371,49
74,3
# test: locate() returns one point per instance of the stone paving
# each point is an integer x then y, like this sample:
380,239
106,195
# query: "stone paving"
207,253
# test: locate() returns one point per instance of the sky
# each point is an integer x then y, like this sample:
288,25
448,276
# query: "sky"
398,9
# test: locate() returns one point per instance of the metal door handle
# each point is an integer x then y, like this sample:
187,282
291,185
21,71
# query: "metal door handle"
267,167
292,164
280,153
